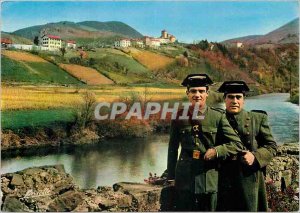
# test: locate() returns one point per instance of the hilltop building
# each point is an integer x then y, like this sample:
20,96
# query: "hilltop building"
147,41
166,38
52,42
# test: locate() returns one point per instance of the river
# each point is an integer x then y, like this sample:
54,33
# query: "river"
114,161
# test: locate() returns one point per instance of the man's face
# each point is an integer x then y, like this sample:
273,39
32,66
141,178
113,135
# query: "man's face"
197,95
234,102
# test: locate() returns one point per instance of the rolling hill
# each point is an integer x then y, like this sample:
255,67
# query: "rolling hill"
288,33
16,39
86,29
26,67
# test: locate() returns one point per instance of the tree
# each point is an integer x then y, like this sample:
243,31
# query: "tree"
63,51
203,45
36,40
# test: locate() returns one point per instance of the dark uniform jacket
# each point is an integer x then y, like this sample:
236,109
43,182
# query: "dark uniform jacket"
196,175
242,187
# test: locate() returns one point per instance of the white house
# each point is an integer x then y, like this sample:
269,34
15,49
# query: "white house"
137,43
52,42
71,44
239,44
154,43
123,43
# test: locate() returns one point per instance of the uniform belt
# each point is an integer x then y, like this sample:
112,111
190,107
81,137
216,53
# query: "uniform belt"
189,153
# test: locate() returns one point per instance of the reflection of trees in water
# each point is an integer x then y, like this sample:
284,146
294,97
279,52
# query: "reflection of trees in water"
84,165
117,158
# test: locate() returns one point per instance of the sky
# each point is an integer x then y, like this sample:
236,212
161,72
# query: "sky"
188,21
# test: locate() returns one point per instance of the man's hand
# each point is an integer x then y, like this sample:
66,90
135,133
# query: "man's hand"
210,154
248,158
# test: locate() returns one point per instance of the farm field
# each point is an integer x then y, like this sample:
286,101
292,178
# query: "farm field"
151,60
26,67
32,97
87,75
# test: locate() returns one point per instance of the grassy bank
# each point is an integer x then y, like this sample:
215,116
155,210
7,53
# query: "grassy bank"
35,118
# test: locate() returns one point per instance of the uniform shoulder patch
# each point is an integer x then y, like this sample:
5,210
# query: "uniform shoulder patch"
260,111
218,109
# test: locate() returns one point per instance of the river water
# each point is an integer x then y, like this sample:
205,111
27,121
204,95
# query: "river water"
131,160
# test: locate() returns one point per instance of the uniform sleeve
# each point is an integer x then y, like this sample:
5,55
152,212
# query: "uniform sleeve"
267,145
173,150
231,143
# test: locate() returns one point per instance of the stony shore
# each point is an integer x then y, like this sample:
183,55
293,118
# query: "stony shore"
50,188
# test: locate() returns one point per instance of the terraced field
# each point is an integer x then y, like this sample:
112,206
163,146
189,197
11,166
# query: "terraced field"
32,69
151,60
22,56
87,75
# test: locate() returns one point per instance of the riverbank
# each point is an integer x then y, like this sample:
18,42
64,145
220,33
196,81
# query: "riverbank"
70,133
50,188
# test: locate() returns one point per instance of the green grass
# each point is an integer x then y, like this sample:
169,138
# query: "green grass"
34,72
34,118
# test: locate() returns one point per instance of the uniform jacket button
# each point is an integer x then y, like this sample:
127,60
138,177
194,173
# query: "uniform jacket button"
248,133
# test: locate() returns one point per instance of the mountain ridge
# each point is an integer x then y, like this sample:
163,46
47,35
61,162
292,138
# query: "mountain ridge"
287,33
85,29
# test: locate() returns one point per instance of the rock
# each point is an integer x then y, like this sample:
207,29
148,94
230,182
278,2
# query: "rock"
288,148
50,188
17,180
146,197
68,201
12,204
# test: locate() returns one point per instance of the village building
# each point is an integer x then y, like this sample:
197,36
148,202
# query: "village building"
52,42
137,43
167,38
6,43
151,42
239,44
71,44
155,43
124,42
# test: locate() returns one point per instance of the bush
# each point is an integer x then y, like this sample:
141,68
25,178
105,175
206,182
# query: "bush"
84,114
75,60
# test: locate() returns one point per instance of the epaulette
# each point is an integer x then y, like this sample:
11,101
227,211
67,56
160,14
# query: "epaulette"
259,111
218,109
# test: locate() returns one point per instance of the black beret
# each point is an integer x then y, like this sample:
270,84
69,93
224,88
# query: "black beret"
197,80
234,87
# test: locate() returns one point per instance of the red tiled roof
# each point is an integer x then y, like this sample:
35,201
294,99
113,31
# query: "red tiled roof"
71,41
53,36
6,41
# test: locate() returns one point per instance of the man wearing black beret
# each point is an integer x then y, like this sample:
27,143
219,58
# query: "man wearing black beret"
242,182
205,140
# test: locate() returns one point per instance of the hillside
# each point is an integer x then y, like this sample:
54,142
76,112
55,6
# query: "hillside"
86,74
16,39
25,67
112,26
87,29
288,33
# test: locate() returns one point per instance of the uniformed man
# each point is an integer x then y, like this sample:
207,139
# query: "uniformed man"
203,142
242,183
